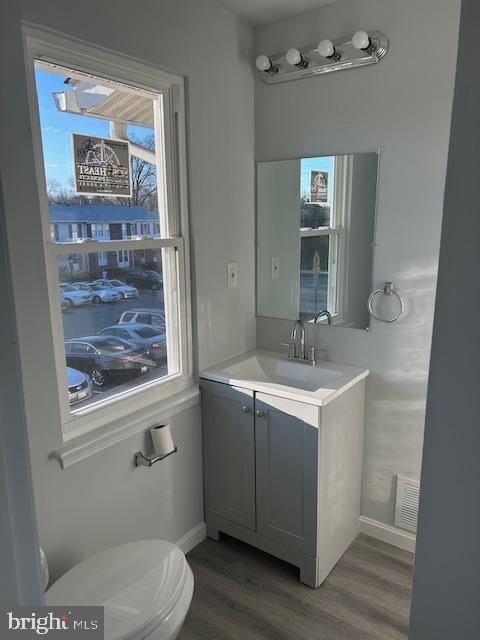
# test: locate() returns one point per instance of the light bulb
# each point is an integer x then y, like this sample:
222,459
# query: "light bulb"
361,40
294,57
326,48
263,63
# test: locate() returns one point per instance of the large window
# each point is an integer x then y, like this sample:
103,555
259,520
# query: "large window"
113,242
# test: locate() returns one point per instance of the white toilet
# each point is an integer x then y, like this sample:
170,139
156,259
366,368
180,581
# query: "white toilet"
145,587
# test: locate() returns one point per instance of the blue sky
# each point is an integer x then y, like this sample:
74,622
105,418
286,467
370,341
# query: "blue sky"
57,127
316,164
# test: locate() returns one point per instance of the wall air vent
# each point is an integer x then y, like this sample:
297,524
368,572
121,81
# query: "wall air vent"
406,503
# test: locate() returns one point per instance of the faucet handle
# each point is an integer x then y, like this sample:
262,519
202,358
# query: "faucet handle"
292,352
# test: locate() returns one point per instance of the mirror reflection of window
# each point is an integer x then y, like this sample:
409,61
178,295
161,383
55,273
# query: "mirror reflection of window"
315,237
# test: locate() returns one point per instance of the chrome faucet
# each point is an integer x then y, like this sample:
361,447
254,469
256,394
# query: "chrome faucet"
320,314
298,326
296,346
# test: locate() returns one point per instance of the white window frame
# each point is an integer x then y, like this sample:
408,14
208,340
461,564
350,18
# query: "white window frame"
120,257
84,58
338,251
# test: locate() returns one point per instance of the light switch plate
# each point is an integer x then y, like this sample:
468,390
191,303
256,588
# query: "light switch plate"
275,268
232,275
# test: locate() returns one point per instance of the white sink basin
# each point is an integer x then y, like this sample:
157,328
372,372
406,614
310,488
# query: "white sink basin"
273,373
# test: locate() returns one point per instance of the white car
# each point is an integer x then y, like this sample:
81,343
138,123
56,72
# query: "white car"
79,386
73,297
125,290
144,316
98,292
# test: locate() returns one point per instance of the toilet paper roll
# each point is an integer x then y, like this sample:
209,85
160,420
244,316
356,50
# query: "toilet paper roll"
162,440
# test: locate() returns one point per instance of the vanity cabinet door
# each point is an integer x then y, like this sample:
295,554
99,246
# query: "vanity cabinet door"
229,452
287,464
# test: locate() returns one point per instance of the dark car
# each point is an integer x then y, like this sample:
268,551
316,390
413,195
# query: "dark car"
103,357
141,335
145,279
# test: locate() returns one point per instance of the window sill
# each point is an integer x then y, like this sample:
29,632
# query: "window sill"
82,447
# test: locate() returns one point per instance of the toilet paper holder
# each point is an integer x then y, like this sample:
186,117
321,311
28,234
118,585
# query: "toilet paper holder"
141,460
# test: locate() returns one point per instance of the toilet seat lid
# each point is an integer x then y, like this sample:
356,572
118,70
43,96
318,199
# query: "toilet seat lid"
138,583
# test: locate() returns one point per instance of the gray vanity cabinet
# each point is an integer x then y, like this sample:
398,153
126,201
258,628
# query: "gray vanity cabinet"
286,463
229,452
283,475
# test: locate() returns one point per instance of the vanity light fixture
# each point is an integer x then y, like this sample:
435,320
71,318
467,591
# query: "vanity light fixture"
265,65
295,58
327,50
358,50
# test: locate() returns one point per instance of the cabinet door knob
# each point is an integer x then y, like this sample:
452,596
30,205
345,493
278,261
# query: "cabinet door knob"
259,413
245,409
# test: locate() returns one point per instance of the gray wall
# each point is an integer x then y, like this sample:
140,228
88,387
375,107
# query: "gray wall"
104,500
403,106
361,235
20,583
447,579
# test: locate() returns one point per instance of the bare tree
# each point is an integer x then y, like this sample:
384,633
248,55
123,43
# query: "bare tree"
58,192
53,185
144,179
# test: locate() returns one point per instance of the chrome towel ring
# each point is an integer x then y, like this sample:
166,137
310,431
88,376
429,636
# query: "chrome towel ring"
388,290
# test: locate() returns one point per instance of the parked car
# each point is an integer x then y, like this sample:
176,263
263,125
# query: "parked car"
98,292
141,335
145,279
79,386
73,297
125,290
104,357
144,316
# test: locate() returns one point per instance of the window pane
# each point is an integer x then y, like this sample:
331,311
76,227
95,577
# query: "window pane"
314,260
98,300
316,192
86,165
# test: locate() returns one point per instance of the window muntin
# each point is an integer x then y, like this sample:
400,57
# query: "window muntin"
146,241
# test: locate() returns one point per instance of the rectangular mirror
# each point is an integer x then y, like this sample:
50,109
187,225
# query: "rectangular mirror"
315,238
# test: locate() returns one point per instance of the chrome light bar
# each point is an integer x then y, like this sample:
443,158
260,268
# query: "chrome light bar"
359,50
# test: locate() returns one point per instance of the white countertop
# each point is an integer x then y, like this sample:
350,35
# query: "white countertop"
273,373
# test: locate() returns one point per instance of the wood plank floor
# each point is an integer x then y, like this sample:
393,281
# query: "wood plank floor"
244,594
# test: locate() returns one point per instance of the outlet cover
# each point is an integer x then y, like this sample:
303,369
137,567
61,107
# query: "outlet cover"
232,275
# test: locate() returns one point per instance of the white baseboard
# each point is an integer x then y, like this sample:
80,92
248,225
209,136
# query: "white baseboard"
387,533
192,537
379,530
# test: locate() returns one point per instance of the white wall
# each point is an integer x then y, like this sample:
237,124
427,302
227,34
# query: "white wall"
278,235
403,106
104,500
